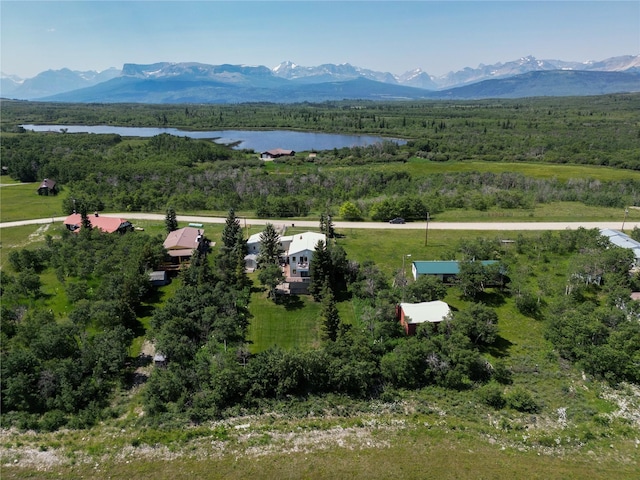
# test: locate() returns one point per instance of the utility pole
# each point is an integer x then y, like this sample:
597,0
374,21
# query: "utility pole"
626,212
426,233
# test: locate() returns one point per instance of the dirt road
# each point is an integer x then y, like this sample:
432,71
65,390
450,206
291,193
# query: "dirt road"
487,226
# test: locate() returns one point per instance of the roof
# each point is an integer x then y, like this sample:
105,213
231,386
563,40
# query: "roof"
305,241
183,239
47,183
255,238
444,267
432,312
622,240
106,224
278,152
158,275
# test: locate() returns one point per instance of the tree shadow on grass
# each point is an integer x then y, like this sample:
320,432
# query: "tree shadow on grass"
290,302
491,299
499,348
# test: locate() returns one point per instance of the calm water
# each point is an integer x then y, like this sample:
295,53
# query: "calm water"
258,141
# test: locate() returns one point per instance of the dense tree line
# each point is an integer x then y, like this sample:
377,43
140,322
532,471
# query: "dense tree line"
58,371
104,172
590,130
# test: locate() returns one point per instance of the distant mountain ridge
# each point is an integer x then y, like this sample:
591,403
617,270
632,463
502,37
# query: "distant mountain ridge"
167,82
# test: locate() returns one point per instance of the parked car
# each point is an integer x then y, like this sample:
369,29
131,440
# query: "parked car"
397,220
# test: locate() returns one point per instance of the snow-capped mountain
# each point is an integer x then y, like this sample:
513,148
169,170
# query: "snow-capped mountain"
9,83
168,82
417,78
52,82
328,72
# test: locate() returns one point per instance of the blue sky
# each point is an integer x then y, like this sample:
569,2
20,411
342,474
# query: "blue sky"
392,36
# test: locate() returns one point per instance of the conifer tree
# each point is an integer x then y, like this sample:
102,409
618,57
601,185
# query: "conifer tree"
270,250
232,232
171,220
329,313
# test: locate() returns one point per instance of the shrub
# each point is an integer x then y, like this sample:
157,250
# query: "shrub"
521,400
52,421
491,394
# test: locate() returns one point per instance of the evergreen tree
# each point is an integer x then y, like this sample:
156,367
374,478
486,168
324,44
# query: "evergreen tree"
270,250
232,231
84,219
170,220
320,270
234,249
329,313
326,225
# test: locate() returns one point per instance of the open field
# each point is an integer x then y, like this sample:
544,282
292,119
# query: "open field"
21,202
413,446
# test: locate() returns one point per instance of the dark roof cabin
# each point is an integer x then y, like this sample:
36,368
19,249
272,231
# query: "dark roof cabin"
277,153
47,187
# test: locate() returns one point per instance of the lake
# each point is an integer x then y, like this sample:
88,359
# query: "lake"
256,140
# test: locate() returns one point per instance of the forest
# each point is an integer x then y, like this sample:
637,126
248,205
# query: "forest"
118,174
77,307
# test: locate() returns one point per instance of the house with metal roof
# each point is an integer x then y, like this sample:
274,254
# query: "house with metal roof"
300,252
622,240
411,315
445,270
297,253
106,224
180,244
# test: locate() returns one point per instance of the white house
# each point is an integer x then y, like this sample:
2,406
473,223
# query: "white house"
623,240
299,252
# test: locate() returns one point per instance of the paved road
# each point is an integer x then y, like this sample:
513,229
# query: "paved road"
508,226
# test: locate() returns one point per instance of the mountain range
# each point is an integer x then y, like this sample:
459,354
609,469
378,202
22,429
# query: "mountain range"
167,82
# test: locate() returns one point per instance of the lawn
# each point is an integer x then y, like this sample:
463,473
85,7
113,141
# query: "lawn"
543,212
21,202
420,167
292,322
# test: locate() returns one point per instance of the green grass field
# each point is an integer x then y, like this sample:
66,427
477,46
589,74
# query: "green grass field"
21,202
421,167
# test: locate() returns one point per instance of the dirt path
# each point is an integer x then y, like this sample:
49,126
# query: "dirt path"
486,226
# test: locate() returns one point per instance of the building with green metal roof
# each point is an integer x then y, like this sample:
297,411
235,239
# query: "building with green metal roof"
445,270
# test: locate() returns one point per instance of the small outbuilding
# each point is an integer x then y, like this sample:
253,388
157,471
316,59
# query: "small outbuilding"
446,270
159,360
158,278
47,187
411,315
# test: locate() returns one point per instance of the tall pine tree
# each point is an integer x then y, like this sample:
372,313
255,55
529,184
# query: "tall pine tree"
171,220
329,313
270,249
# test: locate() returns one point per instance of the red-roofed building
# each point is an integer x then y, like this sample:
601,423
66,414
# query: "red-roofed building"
106,224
